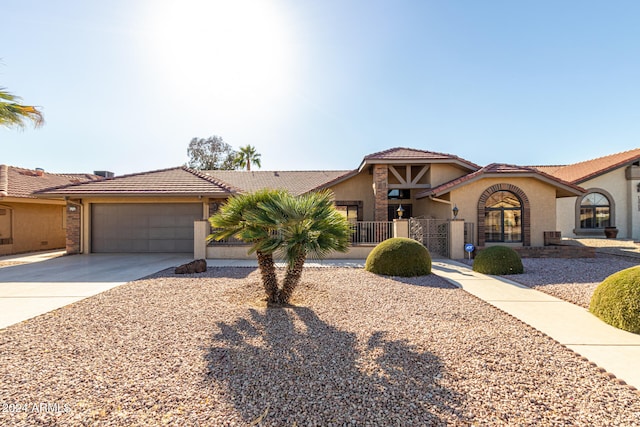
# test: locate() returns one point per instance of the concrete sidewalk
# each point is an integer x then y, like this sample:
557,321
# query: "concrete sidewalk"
610,348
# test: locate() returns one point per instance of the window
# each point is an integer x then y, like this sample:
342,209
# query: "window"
5,226
503,218
398,193
595,211
349,211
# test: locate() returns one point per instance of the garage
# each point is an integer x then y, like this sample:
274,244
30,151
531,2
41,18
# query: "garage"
143,227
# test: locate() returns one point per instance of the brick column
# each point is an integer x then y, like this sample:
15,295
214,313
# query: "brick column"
380,191
74,226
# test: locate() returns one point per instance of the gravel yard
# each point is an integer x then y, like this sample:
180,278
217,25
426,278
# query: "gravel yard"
572,280
355,349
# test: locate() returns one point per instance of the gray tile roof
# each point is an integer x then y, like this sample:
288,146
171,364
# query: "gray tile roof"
179,181
296,182
22,183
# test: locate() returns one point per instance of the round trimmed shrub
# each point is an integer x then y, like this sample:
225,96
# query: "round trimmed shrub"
617,300
498,260
399,256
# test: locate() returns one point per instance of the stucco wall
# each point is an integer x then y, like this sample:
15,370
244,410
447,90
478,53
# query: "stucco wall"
617,185
441,173
625,195
542,199
36,227
358,187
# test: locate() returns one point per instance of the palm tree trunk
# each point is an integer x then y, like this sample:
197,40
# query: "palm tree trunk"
291,279
268,273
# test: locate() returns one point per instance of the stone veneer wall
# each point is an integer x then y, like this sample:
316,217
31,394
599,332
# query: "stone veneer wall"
73,228
381,191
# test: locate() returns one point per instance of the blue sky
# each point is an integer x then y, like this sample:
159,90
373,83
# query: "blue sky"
125,84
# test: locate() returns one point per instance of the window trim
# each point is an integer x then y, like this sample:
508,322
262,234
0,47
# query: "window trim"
502,218
578,230
525,220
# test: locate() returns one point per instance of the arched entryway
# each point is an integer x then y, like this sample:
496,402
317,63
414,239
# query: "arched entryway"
504,215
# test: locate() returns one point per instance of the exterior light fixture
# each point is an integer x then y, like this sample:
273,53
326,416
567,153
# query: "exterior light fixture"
455,211
400,211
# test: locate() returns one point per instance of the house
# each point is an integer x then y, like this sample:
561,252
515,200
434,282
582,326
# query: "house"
611,198
156,211
28,223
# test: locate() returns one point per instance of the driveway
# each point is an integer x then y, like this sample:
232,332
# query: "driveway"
33,288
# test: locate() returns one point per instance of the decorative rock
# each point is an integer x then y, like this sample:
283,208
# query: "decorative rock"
197,266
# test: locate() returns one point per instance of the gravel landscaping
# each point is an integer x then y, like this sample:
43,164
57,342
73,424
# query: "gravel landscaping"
572,280
354,349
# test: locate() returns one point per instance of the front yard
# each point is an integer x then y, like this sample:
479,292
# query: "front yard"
355,349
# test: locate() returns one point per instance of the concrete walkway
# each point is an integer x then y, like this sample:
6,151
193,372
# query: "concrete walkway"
610,348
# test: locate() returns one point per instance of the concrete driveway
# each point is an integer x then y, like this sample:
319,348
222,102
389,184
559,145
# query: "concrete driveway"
33,288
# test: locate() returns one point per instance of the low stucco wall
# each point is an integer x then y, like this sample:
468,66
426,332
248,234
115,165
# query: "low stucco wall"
240,252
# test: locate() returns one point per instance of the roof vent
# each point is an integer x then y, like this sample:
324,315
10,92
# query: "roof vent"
104,174
39,171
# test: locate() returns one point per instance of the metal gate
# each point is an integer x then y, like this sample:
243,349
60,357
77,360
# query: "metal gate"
432,233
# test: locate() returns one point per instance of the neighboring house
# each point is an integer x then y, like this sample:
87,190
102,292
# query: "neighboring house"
28,223
612,197
155,211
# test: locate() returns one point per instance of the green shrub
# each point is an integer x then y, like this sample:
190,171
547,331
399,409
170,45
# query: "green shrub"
617,300
498,260
399,256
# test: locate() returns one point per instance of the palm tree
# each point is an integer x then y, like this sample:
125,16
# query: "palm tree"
308,225
246,156
235,219
12,113
275,222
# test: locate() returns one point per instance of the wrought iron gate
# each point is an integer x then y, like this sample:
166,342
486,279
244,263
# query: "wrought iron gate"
432,233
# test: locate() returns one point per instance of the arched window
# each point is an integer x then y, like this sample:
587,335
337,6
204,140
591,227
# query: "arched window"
503,217
595,211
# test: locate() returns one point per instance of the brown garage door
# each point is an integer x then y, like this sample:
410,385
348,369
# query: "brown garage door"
156,227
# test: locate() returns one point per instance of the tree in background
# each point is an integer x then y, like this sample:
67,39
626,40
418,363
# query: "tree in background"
14,114
211,154
246,156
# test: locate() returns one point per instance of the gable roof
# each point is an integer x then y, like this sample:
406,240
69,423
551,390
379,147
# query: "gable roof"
178,181
583,171
296,182
22,183
411,155
501,170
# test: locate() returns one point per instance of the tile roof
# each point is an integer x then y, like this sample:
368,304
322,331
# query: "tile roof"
296,182
579,172
401,154
179,181
20,182
501,169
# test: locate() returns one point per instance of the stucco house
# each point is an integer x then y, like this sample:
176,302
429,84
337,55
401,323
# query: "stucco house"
28,223
611,198
156,211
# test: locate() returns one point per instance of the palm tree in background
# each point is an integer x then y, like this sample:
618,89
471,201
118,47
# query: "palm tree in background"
12,113
246,156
